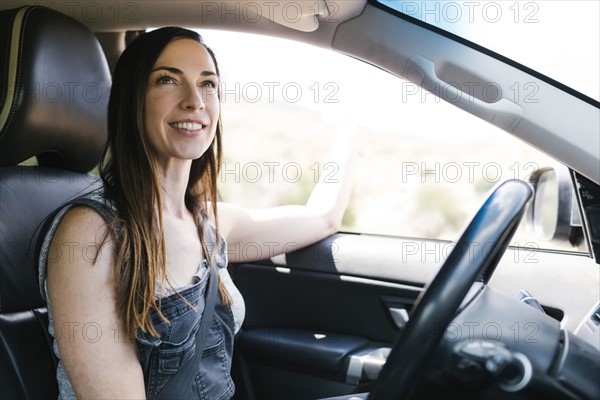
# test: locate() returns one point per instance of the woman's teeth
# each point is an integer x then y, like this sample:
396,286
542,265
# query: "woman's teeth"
188,126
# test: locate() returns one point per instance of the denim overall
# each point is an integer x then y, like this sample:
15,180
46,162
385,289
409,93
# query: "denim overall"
161,357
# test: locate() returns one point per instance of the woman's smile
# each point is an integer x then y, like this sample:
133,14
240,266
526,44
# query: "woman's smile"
190,128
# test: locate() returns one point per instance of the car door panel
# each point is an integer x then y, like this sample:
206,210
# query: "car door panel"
342,284
313,314
310,311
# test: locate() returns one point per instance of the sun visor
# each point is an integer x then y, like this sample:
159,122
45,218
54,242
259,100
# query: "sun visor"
299,15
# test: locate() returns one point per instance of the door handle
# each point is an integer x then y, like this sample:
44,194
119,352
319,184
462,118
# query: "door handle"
399,316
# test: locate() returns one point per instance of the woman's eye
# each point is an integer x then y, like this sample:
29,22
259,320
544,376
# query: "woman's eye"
209,84
165,79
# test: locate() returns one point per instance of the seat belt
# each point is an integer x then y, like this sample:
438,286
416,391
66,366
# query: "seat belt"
178,386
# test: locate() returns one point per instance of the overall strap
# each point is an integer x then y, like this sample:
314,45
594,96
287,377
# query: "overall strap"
179,385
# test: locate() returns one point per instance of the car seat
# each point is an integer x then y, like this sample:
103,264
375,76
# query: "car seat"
54,91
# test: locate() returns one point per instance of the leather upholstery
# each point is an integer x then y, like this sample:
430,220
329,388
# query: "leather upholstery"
55,80
28,195
41,51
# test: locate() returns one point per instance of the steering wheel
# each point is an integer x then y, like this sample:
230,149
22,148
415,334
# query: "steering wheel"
474,257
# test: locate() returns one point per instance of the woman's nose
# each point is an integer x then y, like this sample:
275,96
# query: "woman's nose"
193,99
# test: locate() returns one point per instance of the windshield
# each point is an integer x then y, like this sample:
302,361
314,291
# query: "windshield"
560,39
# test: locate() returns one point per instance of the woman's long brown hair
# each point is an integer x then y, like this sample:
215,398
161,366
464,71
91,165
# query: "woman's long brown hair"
129,174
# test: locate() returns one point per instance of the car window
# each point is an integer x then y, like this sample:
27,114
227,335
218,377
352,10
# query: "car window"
424,166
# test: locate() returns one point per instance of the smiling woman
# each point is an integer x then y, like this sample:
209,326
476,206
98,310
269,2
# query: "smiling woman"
129,270
183,68
159,275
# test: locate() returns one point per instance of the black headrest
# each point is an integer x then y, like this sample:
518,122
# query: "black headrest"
54,90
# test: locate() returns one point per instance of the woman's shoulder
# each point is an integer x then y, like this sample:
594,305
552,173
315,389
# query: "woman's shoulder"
82,221
83,214
78,229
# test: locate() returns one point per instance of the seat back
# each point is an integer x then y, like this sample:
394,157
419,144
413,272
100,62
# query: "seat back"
54,88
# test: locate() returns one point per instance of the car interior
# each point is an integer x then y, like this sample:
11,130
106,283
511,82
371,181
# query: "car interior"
341,319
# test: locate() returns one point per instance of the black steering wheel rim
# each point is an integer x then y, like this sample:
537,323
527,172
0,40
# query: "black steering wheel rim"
474,257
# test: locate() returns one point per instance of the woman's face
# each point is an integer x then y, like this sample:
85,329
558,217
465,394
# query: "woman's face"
181,106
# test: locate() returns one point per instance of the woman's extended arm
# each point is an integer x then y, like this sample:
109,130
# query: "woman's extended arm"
99,360
261,233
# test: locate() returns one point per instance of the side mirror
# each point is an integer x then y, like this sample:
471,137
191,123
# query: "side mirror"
554,214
